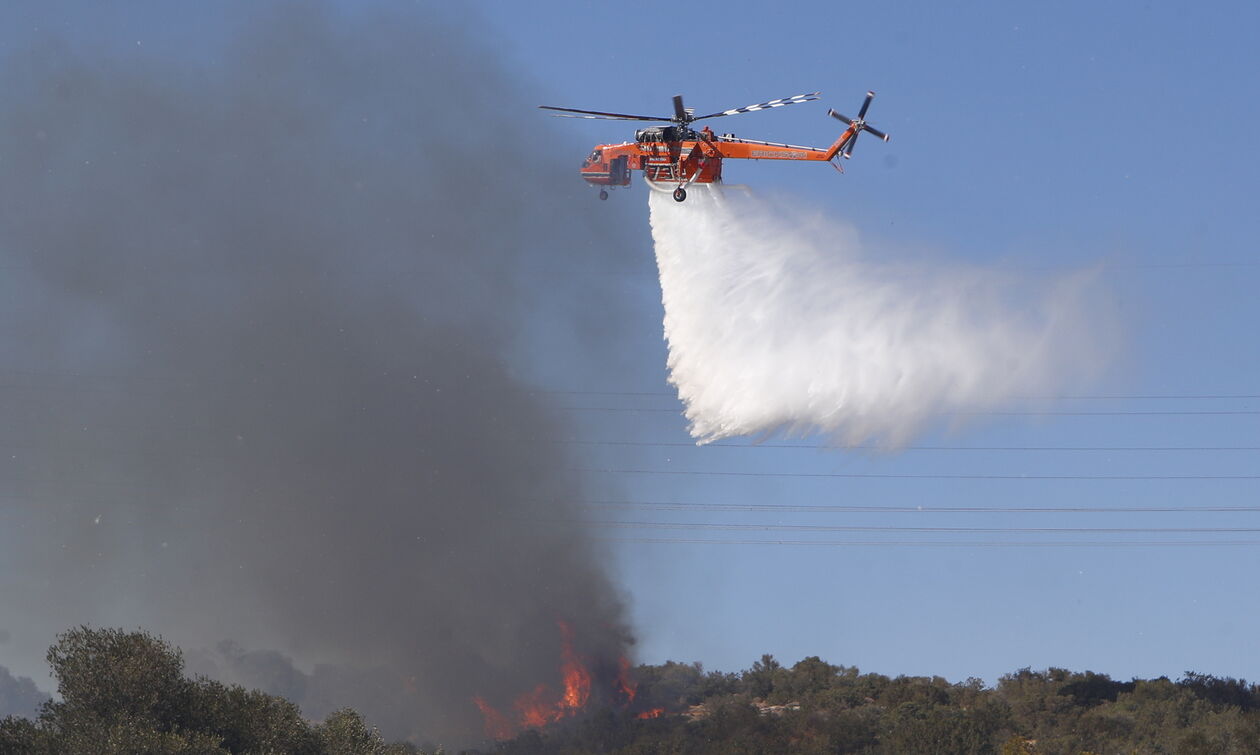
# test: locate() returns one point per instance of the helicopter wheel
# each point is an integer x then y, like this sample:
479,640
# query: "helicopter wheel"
603,194
680,194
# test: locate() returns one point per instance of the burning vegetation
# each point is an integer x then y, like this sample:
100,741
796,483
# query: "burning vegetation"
580,680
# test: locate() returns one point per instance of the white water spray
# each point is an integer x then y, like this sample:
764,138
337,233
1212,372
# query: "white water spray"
779,322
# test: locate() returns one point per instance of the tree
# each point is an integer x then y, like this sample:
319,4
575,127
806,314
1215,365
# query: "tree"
345,732
17,735
1221,690
125,692
809,677
761,677
110,676
1090,689
248,720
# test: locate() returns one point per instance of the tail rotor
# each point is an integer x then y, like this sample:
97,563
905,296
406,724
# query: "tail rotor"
858,125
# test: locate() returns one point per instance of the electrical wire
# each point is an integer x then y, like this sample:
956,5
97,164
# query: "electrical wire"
902,476
744,527
941,543
869,447
1105,397
887,509
189,381
1031,413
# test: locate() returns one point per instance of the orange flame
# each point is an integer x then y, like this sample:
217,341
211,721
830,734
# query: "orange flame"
497,725
653,713
577,680
541,706
535,709
625,684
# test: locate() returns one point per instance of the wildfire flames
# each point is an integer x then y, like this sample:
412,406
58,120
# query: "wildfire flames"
577,680
542,705
497,725
624,684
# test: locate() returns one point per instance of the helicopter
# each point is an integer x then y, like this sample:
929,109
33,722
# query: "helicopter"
674,156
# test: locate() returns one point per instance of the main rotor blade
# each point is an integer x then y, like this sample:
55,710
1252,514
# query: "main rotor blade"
795,99
875,131
869,96
680,114
608,118
618,116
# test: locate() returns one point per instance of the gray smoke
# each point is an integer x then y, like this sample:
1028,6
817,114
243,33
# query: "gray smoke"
19,696
263,317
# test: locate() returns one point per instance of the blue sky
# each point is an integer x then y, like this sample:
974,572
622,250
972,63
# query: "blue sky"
1040,137
1026,135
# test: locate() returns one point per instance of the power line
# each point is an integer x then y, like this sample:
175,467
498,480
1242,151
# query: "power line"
742,527
858,509
941,543
870,447
190,380
925,477
652,272
1179,265
1030,413
1101,397
402,273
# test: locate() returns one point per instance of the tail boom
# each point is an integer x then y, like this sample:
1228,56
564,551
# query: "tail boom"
834,149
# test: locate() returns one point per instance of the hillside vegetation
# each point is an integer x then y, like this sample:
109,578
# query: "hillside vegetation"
126,692
816,707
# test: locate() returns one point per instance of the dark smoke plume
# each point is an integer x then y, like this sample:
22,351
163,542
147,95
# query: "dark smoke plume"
19,696
263,317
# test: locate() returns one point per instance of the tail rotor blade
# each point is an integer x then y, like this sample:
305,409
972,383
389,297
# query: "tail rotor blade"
862,113
855,127
839,117
876,132
848,148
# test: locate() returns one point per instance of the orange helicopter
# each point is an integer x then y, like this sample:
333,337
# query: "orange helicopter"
677,156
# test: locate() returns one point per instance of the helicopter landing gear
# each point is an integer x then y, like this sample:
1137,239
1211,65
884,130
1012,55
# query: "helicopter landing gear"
603,194
680,194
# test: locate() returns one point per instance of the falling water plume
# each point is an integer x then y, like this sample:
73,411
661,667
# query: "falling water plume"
784,322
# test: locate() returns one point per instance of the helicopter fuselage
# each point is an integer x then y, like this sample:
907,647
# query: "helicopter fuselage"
680,156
